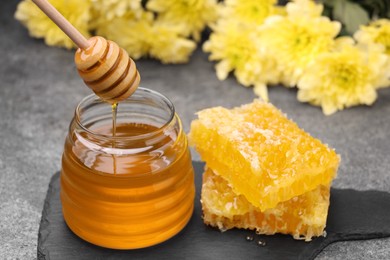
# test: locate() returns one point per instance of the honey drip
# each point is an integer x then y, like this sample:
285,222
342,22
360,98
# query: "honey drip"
114,112
114,108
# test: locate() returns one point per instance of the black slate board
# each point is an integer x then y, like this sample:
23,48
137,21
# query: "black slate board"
352,215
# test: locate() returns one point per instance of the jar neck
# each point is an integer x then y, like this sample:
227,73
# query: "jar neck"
146,122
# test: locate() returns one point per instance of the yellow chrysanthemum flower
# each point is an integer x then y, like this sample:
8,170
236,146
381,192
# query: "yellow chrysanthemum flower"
104,11
191,15
40,26
235,43
116,8
232,45
377,32
280,10
306,8
236,47
130,33
167,45
142,37
252,12
296,40
342,78
378,56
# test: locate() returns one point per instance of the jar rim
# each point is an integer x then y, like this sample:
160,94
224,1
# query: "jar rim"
94,98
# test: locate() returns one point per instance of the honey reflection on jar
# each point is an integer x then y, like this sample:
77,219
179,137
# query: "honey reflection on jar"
133,190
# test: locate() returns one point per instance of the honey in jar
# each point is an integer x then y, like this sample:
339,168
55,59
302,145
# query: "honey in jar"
135,189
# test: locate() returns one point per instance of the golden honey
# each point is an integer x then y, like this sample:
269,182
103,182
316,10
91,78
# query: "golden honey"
135,189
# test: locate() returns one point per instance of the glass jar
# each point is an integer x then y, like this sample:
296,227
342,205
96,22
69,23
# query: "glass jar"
135,189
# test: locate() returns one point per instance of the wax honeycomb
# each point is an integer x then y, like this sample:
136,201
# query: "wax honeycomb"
261,153
303,216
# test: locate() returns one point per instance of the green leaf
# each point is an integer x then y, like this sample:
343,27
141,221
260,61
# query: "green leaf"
327,11
330,3
351,15
376,8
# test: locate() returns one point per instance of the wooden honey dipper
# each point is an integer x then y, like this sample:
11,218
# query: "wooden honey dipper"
105,68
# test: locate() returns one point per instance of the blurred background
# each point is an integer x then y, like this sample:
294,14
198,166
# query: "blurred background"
40,88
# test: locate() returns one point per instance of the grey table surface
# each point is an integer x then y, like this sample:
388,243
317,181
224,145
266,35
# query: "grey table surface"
39,89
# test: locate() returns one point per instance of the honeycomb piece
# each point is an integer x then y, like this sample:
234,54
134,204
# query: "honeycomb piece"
303,216
262,154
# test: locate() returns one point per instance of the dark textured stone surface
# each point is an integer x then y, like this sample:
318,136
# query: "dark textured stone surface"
39,89
347,221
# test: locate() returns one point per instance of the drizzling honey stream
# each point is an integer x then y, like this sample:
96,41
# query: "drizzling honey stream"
114,108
